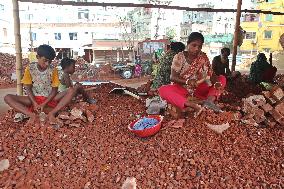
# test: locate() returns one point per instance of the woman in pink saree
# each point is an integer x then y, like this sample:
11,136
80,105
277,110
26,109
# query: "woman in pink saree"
191,75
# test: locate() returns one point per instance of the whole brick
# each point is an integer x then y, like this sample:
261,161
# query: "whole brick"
277,94
271,101
281,121
266,94
276,115
267,107
280,108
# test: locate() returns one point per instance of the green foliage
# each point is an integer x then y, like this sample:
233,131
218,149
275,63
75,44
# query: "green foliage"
170,33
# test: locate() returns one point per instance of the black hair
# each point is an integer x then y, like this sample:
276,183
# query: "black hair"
195,36
177,47
46,51
261,57
66,62
225,49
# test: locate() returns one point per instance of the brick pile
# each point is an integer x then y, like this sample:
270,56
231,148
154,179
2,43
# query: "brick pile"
266,108
8,65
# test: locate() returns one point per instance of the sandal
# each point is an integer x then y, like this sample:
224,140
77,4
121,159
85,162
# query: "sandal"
19,117
91,101
212,106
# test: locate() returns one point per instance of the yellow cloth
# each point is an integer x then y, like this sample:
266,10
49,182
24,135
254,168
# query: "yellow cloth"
27,78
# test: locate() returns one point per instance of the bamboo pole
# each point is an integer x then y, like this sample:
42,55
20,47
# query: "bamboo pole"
236,34
18,47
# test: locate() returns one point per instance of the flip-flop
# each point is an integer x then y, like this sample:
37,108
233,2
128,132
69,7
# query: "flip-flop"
212,106
92,101
20,117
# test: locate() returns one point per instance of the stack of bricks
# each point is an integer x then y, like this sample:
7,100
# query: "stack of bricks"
267,108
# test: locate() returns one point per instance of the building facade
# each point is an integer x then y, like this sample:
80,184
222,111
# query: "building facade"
6,27
69,29
193,21
263,31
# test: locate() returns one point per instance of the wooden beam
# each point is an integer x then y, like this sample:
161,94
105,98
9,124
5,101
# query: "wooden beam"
236,35
73,3
18,47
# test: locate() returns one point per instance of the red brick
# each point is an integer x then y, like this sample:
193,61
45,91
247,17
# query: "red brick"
266,94
277,94
280,108
258,115
270,123
271,101
267,107
276,115
281,121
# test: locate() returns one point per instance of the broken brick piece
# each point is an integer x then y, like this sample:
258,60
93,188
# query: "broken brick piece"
90,116
267,107
277,94
64,115
280,108
258,115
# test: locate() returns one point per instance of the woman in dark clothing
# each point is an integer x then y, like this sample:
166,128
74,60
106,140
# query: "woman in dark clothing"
261,70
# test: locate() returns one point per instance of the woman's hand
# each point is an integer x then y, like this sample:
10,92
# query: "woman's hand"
191,83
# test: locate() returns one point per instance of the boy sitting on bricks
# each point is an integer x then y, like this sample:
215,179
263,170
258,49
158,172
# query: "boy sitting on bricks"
68,68
41,82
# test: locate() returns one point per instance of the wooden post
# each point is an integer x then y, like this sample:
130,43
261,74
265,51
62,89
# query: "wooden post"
236,35
94,56
18,47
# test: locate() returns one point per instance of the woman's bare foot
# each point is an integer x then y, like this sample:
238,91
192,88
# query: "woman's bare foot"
198,109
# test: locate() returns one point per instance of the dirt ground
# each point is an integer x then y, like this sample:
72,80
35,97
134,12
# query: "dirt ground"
102,154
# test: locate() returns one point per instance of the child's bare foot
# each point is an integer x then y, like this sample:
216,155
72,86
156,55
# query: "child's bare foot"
52,120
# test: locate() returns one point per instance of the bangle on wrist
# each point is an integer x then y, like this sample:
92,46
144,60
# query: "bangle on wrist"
186,82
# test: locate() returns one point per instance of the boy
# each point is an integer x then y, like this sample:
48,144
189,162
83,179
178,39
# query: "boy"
68,68
41,83
220,65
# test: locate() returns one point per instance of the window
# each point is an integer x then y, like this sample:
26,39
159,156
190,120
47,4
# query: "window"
57,36
250,35
5,32
93,35
266,50
268,17
185,32
267,34
29,16
83,14
33,36
250,18
1,8
73,36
